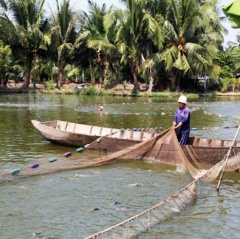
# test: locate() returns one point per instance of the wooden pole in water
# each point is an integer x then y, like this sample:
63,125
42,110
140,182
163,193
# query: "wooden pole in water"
227,156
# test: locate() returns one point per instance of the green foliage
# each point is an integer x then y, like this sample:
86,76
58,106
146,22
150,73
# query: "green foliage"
225,61
234,54
226,72
50,84
26,30
106,84
90,91
235,84
225,84
71,71
193,34
5,60
158,38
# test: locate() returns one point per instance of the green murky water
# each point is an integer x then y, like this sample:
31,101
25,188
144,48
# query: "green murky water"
62,205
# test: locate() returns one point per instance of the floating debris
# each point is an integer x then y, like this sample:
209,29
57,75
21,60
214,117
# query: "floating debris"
37,233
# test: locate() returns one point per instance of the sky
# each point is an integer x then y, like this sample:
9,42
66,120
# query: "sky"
231,36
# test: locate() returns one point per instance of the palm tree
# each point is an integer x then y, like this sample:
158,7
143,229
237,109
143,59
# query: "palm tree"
193,34
95,27
138,33
103,43
26,30
64,35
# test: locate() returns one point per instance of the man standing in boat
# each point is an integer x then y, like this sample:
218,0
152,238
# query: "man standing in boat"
182,120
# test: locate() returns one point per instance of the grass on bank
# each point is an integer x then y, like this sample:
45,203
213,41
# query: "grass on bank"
124,93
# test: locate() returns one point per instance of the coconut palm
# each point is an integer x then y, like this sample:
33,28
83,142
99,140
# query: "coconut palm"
95,27
193,34
103,43
64,35
26,30
84,56
138,33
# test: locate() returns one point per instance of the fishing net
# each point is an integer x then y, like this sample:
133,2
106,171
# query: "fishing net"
145,220
163,147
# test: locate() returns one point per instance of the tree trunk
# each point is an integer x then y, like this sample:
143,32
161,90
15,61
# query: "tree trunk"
150,87
60,78
83,75
134,70
100,74
5,81
107,64
26,82
178,82
92,75
147,76
116,71
174,76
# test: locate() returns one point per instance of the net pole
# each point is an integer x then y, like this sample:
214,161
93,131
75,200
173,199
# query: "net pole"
227,156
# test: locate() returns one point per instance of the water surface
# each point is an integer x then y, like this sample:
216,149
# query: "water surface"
76,204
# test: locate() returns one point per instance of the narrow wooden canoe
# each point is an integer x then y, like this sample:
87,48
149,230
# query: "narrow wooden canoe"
76,135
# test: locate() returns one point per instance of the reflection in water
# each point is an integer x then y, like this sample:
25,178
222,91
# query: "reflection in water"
61,205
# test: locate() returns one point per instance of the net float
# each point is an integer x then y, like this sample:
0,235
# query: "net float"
68,154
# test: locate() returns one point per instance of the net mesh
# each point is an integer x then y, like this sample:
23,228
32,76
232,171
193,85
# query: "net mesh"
145,220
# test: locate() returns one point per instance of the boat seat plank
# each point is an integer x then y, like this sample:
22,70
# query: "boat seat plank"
61,125
82,129
70,127
105,131
127,134
137,135
96,130
217,143
227,143
196,141
146,136
203,142
237,144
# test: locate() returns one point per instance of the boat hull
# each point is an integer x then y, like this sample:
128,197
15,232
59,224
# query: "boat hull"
206,151
51,132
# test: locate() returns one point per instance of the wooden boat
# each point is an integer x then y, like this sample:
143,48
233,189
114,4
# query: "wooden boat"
204,150
76,135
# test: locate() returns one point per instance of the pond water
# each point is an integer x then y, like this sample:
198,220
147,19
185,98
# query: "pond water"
76,204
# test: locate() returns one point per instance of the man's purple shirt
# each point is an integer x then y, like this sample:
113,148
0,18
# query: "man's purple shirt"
183,115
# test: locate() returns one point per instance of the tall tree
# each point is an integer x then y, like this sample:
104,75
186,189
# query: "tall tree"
193,34
28,27
103,43
137,33
94,24
64,35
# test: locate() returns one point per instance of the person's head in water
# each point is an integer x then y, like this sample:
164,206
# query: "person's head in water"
100,108
182,101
